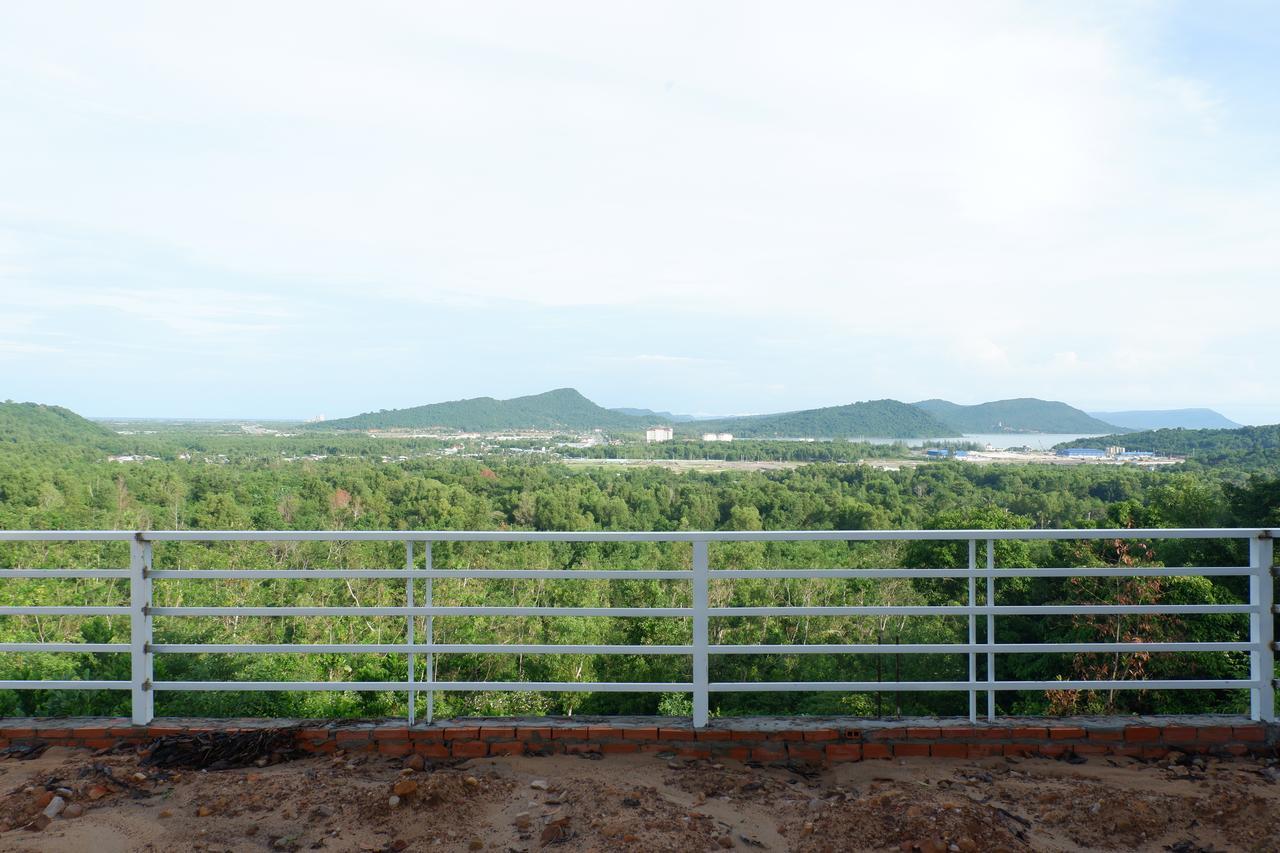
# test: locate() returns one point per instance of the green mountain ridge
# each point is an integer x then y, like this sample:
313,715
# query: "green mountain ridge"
869,419
563,408
1024,414
28,422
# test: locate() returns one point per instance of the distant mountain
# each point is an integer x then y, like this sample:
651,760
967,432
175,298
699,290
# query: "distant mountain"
872,419
1026,414
650,414
1168,419
563,408
24,422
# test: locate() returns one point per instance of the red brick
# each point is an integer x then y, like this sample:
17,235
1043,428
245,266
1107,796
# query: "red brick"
461,733
711,734
87,733
314,734
18,734
1155,751
874,750
581,748
91,743
431,750
748,735
1034,733
1249,733
1091,749
1213,734
1065,732
468,748
58,732
391,733
570,733
1178,734
674,733
1109,735
923,734
114,731
624,746
822,735
768,753
1022,749
533,733
395,747
163,731
1141,734
851,734
506,747
546,747
640,734
949,750
804,752
426,736
694,752
1237,749
738,753
910,750
604,733
1052,750
958,733
1130,751
492,733
844,752
984,750
349,736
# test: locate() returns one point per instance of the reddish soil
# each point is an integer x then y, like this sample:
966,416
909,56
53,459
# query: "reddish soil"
641,803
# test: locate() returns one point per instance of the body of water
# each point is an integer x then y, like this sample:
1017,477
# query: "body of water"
999,440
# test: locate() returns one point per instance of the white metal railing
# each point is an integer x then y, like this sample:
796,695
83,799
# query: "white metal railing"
142,648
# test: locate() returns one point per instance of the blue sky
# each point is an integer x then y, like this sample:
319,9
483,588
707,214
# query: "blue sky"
295,209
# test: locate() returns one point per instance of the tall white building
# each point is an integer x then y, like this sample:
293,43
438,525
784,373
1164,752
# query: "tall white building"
659,433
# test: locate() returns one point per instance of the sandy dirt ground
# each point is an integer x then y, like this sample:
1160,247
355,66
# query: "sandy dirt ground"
640,803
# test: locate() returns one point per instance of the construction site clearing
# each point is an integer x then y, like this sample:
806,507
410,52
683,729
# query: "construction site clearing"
122,799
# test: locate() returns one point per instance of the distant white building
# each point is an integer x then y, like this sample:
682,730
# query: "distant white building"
717,436
659,433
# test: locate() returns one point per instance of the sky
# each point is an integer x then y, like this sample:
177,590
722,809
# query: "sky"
283,210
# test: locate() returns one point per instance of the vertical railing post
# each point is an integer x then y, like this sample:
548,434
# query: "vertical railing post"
973,630
431,635
1262,659
991,630
701,702
140,657
409,629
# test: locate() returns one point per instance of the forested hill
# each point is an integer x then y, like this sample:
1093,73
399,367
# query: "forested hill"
563,408
35,422
1250,449
871,419
1025,414
1167,419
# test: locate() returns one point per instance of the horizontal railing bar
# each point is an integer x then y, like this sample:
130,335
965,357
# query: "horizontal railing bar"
967,648
627,536
960,573
121,648
460,574
405,648
965,610
420,611
63,573
65,685
452,686
950,686
63,611
653,574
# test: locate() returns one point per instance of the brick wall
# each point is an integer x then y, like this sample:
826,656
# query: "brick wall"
817,741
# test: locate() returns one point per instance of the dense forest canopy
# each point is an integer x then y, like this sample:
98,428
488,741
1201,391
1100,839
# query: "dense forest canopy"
335,482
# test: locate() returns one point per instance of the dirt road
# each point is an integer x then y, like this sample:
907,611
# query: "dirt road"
640,803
